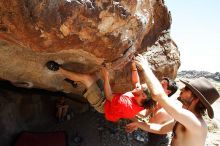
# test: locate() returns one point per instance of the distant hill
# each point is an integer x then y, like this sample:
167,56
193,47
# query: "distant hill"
196,74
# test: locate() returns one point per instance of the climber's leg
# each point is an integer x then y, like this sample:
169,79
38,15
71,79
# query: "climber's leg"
85,79
93,94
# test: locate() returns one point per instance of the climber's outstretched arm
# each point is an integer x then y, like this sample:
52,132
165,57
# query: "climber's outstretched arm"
107,87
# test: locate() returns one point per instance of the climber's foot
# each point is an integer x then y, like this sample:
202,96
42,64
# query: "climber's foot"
52,65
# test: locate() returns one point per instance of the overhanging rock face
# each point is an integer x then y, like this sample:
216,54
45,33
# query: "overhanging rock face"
82,34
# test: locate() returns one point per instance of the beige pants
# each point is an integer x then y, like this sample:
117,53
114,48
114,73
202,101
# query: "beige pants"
95,97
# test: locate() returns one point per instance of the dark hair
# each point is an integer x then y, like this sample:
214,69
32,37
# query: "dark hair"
200,108
172,86
148,103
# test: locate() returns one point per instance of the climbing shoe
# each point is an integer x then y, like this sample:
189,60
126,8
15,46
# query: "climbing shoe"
52,65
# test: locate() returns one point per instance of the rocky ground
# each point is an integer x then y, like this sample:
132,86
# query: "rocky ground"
91,129
190,74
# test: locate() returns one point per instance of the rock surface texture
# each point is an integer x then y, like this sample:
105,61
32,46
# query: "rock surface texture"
81,35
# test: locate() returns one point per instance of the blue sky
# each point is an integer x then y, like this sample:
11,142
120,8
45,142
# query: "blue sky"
196,30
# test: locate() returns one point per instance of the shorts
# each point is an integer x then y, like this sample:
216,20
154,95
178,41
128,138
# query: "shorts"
157,139
95,97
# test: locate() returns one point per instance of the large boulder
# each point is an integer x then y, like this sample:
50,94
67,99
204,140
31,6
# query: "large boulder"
83,34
